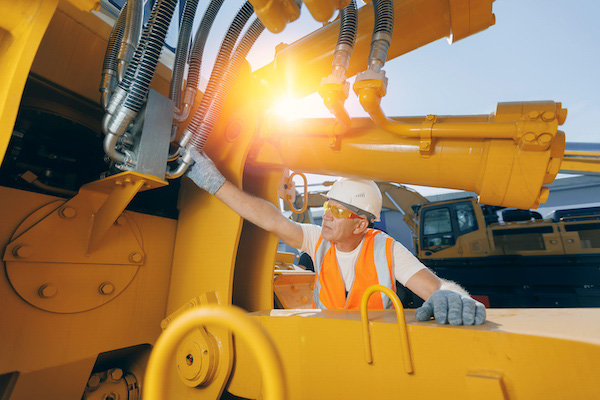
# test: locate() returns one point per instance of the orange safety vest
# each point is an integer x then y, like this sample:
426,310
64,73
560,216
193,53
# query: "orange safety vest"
374,266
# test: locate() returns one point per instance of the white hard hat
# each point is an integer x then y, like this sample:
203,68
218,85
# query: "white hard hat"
356,193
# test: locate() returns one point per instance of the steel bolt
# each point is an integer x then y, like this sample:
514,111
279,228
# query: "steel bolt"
93,382
529,137
545,138
47,290
548,116
135,257
67,212
106,288
116,374
533,114
303,299
22,251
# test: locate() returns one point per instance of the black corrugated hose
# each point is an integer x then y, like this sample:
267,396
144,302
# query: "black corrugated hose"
139,50
215,108
110,57
131,35
200,42
181,53
219,68
384,16
348,25
138,90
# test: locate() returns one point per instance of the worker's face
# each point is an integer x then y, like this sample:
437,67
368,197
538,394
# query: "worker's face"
339,229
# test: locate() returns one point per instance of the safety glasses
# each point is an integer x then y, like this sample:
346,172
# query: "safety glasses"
339,212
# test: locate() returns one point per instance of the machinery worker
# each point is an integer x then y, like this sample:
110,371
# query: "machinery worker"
348,255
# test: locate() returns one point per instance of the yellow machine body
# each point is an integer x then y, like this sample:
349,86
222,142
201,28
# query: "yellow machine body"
87,287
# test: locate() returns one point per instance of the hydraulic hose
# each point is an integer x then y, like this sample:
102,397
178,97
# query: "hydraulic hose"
334,88
131,35
197,52
346,39
116,101
227,45
145,72
109,67
181,53
218,88
382,33
139,80
216,106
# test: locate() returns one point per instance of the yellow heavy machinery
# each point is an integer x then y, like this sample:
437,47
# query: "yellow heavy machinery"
89,286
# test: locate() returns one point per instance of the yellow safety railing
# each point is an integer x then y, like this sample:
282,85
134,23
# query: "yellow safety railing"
408,367
263,349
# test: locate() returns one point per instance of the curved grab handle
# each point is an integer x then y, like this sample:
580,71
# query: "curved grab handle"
231,318
305,204
408,367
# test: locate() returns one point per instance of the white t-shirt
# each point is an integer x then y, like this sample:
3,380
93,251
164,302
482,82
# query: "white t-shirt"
405,263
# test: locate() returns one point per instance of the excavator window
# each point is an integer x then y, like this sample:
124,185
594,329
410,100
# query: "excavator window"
443,224
465,215
437,229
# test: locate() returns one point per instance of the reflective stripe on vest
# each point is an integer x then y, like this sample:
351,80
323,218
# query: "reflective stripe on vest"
374,266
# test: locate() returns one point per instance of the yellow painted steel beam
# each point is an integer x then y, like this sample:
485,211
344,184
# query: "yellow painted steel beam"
22,25
515,354
417,22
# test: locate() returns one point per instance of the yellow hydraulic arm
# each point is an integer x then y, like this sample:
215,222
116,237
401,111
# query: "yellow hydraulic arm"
581,162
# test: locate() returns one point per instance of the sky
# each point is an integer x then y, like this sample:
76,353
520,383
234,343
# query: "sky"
537,50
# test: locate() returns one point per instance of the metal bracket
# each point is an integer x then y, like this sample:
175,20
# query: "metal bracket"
425,142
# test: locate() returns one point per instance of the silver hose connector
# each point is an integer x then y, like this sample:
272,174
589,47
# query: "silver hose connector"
380,44
184,163
120,121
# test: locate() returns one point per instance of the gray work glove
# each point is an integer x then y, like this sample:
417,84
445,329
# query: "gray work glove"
204,173
448,306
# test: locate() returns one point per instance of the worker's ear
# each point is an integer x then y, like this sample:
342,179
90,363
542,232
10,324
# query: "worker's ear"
361,226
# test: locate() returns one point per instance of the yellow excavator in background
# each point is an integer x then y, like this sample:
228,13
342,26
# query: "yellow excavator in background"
122,280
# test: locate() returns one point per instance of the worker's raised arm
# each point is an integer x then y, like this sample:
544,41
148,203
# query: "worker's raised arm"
260,212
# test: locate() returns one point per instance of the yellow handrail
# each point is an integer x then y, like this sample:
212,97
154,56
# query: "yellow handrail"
231,318
408,367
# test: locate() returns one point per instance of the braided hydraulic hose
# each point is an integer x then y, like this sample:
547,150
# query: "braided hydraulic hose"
215,108
218,70
133,89
348,25
116,100
191,87
145,72
345,42
109,67
181,53
139,51
382,33
200,42
131,35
